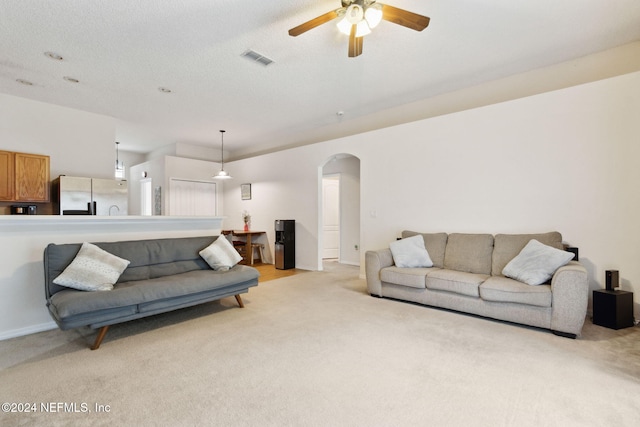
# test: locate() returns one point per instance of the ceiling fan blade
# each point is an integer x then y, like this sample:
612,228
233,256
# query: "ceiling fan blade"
355,43
404,18
359,43
303,28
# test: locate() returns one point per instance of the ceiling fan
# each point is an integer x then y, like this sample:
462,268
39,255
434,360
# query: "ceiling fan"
358,17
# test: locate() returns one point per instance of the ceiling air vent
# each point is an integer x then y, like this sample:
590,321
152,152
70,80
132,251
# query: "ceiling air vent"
255,56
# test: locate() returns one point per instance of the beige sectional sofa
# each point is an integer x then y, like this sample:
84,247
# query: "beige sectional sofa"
467,276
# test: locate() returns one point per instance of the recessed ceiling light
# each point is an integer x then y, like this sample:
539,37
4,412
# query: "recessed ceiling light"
24,82
164,89
71,79
54,56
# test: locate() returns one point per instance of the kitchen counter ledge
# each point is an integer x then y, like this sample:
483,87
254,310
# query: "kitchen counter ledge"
22,223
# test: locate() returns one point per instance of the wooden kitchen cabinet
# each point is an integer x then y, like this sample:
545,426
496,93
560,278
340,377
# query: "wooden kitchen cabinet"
7,175
24,177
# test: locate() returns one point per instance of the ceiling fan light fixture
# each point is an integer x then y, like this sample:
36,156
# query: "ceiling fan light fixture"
344,26
357,18
362,29
354,14
373,15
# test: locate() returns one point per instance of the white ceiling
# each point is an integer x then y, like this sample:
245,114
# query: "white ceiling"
122,51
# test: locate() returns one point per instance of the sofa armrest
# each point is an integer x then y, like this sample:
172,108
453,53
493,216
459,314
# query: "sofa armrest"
374,262
570,290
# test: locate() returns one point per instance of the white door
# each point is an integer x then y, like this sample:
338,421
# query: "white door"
192,198
331,216
146,197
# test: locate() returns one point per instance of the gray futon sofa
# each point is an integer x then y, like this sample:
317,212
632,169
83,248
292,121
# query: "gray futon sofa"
163,275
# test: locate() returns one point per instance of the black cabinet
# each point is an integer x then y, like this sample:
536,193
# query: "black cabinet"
613,309
285,245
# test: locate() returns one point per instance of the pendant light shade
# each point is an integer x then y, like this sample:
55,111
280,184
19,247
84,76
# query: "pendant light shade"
119,172
222,174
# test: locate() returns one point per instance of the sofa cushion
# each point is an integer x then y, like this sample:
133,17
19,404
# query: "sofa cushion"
458,282
159,257
536,263
435,243
469,253
149,258
72,303
503,289
410,253
221,255
92,269
507,246
413,277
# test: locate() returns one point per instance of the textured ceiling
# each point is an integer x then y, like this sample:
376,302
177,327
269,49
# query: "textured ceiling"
122,51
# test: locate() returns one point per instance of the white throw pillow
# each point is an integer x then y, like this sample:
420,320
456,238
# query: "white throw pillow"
93,269
536,263
221,255
410,252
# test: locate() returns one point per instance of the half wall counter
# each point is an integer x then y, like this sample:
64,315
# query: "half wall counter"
24,237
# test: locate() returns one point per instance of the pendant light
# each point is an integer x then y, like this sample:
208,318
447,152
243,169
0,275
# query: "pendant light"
119,165
222,174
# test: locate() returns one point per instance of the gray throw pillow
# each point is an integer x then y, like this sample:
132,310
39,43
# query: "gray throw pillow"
536,263
410,253
93,269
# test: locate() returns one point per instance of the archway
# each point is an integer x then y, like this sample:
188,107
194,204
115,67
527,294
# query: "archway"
344,230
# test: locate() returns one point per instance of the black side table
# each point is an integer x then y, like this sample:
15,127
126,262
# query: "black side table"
613,309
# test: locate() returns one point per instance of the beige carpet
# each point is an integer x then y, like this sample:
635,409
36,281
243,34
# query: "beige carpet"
315,350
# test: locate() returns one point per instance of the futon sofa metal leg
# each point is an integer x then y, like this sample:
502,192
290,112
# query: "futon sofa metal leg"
101,333
240,303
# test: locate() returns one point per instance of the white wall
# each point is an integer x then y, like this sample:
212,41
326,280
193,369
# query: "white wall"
564,160
284,185
78,143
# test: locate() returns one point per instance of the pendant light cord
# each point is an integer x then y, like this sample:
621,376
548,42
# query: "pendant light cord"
222,149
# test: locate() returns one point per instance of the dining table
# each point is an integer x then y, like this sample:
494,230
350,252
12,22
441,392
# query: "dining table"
247,236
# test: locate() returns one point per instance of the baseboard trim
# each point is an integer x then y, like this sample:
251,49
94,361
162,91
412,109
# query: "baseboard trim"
14,333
